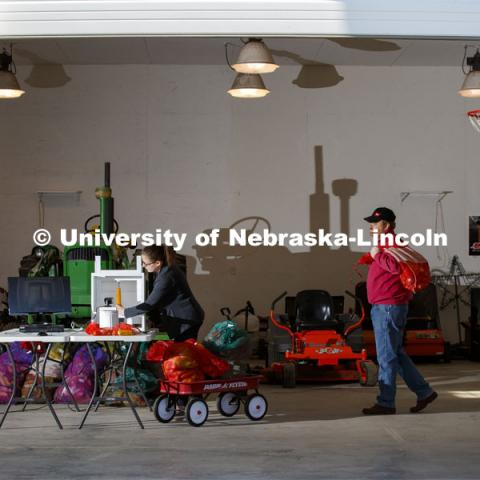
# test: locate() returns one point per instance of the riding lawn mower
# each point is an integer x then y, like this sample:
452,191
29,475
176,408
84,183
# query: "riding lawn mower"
320,349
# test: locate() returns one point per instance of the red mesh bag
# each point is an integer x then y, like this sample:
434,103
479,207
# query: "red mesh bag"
124,329
182,369
188,376
414,270
186,348
415,276
211,365
121,329
188,357
182,362
93,329
157,350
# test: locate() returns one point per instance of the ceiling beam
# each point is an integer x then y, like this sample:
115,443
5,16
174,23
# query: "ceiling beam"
370,18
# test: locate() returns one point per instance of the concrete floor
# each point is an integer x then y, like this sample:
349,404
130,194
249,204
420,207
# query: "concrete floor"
311,432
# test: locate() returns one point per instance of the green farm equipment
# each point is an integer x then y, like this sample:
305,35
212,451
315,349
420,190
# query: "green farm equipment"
79,261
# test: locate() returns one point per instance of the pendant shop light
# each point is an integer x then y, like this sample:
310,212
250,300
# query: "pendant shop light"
255,57
471,84
248,85
9,87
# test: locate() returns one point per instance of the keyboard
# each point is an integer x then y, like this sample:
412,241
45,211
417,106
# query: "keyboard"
41,327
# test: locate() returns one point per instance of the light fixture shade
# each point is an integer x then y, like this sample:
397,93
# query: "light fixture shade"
9,87
247,85
255,57
471,85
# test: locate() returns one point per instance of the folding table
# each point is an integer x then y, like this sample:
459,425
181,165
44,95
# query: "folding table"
130,340
8,337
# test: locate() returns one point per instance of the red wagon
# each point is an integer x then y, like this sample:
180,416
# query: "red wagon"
233,392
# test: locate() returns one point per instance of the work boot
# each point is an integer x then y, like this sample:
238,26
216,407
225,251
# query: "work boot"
421,404
379,410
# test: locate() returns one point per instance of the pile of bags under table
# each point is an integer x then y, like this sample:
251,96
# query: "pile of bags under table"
184,362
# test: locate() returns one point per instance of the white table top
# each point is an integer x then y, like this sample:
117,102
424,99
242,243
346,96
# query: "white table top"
69,335
82,337
14,335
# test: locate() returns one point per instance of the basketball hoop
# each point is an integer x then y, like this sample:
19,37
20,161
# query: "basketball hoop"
474,117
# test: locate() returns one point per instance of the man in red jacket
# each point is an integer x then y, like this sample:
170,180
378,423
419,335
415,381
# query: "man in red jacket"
389,300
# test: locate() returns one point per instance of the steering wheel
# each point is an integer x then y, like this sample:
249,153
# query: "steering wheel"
251,223
93,228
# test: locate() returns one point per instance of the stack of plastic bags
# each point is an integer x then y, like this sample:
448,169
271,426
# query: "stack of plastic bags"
23,360
80,375
53,374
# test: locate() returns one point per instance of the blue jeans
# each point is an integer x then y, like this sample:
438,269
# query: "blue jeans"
389,324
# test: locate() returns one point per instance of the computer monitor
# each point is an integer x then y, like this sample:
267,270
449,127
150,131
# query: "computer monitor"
39,295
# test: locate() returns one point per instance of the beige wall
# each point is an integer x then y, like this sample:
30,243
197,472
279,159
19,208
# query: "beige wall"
188,157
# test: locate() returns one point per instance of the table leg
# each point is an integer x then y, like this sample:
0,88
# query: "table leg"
64,381
45,396
14,383
140,389
37,373
110,372
95,385
125,388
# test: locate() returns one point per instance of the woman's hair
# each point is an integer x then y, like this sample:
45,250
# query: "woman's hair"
160,253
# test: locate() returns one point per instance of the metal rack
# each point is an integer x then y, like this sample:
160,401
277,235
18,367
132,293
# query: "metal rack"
440,194
43,194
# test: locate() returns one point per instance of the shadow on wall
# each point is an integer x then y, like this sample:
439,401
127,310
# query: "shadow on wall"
235,274
313,74
44,74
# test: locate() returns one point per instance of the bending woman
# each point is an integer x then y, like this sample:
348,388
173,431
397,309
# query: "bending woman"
182,315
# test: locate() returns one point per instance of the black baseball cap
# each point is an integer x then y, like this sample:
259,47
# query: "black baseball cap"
381,213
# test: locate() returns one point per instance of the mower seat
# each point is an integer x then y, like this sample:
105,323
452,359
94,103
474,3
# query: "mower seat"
314,311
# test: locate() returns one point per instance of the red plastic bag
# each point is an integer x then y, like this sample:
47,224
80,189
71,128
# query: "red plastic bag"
157,350
185,376
124,329
211,365
189,376
415,276
414,270
182,362
186,348
176,369
93,329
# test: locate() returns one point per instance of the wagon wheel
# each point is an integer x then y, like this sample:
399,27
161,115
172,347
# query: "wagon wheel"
196,412
228,404
164,408
256,406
